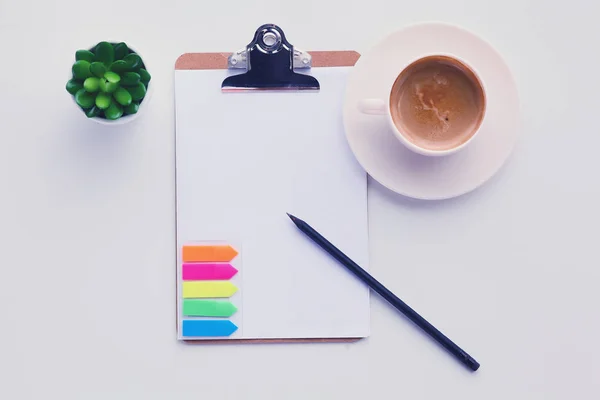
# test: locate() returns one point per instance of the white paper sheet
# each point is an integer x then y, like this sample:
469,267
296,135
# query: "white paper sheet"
243,161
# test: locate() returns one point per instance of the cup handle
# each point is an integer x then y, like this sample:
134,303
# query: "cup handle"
372,106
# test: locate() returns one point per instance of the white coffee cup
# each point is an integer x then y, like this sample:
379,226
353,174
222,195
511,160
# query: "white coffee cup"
383,107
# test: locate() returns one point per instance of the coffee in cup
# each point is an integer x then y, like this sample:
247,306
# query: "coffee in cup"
436,105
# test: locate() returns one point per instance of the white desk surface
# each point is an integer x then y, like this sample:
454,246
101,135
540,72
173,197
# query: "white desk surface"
87,271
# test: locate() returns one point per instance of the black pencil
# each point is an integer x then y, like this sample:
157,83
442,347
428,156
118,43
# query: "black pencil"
364,276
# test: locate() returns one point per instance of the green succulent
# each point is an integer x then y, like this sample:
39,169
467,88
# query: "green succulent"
109,81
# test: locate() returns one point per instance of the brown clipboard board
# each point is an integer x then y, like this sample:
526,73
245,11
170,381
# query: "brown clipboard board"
219,60
202,61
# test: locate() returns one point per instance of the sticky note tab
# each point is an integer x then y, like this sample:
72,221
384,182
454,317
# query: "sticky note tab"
207,271
208,308
203,289
204,327
216,253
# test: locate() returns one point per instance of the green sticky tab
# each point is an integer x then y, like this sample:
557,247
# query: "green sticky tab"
208,308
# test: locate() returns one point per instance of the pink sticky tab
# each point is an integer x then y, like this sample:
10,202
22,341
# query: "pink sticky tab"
207,271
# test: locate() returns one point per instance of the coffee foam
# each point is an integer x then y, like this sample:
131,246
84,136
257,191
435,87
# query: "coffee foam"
437,103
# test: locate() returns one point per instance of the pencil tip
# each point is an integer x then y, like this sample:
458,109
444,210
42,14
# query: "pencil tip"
291,216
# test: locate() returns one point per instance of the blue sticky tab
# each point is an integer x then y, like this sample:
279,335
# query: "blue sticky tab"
206,327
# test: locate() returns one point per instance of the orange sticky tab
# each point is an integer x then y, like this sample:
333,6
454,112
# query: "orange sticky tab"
219,253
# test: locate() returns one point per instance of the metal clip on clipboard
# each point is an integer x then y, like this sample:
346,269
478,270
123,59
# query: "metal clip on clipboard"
269,60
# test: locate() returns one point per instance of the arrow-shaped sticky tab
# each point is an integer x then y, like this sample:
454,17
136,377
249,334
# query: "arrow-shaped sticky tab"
215,253
202,289
207,271
204,327
208,308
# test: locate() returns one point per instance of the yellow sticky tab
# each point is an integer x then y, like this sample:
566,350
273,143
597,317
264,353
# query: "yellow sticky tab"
204,289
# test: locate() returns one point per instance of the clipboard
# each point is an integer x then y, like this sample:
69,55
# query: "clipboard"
268,63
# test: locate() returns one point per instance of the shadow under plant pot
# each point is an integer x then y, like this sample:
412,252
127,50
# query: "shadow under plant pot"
110,83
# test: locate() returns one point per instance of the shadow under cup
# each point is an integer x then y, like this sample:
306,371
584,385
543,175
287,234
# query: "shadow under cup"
437,103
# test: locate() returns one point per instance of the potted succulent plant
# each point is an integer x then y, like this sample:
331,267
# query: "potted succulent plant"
109,82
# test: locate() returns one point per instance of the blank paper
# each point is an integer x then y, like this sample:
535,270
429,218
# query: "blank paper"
245,159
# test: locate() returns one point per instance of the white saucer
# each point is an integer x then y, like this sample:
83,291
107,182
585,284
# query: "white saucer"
386,159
